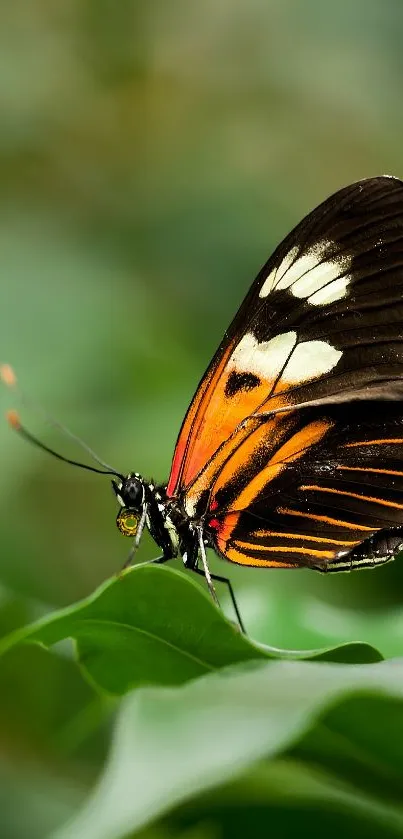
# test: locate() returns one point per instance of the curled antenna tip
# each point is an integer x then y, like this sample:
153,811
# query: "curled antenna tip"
13,419
7,375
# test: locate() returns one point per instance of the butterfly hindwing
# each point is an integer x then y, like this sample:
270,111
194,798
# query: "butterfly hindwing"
329,484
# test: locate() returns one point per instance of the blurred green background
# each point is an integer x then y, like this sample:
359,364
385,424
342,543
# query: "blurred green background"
152,155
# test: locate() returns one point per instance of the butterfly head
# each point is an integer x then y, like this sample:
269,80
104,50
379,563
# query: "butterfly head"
131,495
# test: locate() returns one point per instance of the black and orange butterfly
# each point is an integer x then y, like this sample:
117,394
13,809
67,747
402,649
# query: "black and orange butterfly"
291,452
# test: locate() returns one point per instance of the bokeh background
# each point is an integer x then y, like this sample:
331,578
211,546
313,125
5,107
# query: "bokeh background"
152,155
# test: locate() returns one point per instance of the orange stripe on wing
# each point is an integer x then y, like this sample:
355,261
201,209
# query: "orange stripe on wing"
254,562
182,470
286,511
262,534
205,480
370,498
301,441
288,452
392,440
245,450
286,549
367,469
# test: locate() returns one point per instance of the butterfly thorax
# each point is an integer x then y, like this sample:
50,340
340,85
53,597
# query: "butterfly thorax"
168,524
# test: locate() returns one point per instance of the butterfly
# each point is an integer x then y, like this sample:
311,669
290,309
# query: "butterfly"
291,452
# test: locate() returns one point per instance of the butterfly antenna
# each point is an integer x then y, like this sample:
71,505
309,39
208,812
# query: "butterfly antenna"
8,377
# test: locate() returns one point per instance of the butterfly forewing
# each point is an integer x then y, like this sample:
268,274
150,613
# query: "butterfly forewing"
322,321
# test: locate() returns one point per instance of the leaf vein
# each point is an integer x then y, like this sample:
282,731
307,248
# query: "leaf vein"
131,628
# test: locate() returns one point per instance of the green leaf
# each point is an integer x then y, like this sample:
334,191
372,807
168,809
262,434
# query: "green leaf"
38,718
155,625
173,744
295,798
291,615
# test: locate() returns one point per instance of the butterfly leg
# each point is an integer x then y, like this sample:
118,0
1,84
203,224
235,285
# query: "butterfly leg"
217,579
206,570
209,577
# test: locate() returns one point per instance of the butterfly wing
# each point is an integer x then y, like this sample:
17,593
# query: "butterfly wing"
323,320
313,492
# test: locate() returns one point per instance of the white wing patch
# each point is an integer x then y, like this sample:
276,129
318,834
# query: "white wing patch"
311,276
300,271
271,281
296,363
266,359
310,360
331,292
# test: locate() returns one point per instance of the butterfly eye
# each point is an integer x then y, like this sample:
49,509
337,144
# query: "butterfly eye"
127,521
131,492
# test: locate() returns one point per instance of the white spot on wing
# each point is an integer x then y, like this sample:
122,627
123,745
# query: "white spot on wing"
310,360
300,270
311,276
331,292
271,281
266,359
